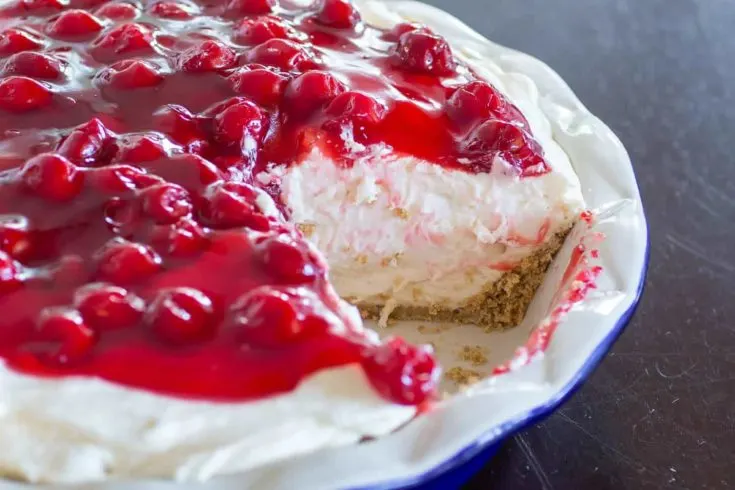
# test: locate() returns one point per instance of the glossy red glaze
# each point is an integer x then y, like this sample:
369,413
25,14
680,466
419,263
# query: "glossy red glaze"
133,245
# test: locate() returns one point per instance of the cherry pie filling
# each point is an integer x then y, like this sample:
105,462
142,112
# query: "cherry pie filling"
134,245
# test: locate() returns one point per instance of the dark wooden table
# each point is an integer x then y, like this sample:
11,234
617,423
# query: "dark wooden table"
659,413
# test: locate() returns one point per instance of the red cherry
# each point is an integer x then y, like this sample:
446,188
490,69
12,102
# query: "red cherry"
356,107
53,177
39,7
473,102
141,148
288,261
257,30
15,40
108,307
123,262
280,53
493,136
261,85
21,94
400,29
250,7
116,179
126,38
85,143
189,171
266,317
10,278
424,52
166,203
123,217
177,122
233,204
310,91
118,11
15,236
74,23
173,10
131,74
35,65
181,239
67,327
208,56
182,316
403,373
338,13
242,120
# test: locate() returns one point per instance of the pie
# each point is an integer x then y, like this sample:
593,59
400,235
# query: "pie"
197,197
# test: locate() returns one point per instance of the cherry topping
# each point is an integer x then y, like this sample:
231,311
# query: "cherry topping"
15,40
85,143
9,273
141,148
400,29
131,74
338,13
266,317
250,7
52,176
258,30
35,65
401,372
182,316
280,53
75,23
166,203
21,94
38,6
357,107
108,307
311,91
189,171
264,86
240,124
124,262
181,239
473,102
172,10
425,52
233,204
177,122
287,260
67,327
118,11
123,39
208,56
15,237
115,179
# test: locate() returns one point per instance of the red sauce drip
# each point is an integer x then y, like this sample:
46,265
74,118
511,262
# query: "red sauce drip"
132,246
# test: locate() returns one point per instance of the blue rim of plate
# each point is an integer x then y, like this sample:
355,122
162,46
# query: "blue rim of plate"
538,413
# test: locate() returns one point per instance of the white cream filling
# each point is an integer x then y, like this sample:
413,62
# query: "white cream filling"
81,429
405,231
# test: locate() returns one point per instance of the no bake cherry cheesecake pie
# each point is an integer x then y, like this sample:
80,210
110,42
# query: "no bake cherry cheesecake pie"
194,192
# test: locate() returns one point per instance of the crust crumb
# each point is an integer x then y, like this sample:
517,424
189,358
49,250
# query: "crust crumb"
361,259
463,376
400,213
307,229
474,354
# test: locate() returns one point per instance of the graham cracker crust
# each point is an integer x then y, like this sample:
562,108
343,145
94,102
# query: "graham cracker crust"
500,305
